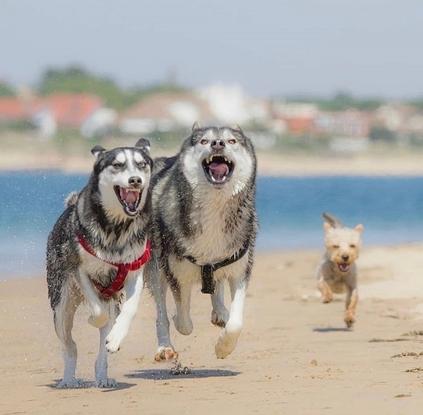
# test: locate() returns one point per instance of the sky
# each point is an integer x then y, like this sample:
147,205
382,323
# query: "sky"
270,47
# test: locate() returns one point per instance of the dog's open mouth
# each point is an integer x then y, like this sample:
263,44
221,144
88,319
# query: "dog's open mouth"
218,169
129,198
343,267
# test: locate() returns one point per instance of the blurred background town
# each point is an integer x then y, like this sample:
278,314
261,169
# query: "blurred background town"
324,79
72,105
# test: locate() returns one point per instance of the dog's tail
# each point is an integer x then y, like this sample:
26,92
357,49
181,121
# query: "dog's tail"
334,222
71,199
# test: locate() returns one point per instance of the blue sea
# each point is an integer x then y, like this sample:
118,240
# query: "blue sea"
391,208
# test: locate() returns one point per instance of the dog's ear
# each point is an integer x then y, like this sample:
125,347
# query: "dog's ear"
144,144
195,126
327,227
236,127
359,228
97,150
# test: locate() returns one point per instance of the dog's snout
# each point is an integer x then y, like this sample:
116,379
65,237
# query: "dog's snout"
135,181
345,257
217,144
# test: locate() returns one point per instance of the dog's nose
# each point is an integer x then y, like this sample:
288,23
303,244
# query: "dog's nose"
345,257
217,144
135,181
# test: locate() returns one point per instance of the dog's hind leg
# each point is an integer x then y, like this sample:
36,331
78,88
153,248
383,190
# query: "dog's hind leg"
98,316
230,334
165,351
64,314
102,381
220,314
182,318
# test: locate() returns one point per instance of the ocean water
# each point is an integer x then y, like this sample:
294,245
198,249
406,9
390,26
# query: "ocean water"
391,208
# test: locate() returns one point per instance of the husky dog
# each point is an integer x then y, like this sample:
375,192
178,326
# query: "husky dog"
338,272
96,250
205,225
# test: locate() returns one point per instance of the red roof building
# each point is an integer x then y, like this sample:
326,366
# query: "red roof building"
68,110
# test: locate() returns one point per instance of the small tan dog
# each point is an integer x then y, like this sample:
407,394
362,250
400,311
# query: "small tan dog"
338,272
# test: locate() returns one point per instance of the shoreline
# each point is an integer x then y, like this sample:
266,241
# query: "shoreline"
316,252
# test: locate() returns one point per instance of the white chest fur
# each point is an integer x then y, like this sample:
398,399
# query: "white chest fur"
213,240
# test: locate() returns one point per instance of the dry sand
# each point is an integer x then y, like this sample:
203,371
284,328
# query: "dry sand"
294,355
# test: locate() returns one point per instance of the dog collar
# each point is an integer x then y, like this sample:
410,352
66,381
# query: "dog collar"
207,270
122,269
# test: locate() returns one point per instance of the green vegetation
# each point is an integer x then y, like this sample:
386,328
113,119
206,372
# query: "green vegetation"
6,90
79,80
339,102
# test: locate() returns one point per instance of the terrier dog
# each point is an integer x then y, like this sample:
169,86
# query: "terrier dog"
96,252
338,272
205,226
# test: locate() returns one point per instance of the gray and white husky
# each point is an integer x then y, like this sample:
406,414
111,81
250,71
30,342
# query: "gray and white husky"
96,252
205,227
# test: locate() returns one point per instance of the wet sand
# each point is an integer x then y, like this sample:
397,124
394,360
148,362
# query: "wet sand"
294,356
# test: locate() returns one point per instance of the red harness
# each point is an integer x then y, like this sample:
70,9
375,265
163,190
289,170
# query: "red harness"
122,269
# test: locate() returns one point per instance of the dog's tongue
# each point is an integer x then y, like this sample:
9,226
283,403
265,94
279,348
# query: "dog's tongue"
129,196
218,170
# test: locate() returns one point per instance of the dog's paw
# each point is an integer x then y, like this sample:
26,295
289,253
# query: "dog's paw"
98,321
113,341
219,319
106,383
165,353
349,320
183,325
226,343
327,299
72,383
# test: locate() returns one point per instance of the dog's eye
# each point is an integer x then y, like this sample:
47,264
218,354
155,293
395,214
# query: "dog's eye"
232,141
352,246
204,141
117,165
335,246
142,165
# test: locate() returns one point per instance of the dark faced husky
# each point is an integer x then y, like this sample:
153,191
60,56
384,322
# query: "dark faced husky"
204,228
96,252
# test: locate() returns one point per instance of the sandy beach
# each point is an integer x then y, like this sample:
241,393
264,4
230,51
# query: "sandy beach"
294,355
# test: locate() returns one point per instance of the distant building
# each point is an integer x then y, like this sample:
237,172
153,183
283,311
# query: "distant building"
13,109
164,111
230,104
71,110
350,123
64,110
296,118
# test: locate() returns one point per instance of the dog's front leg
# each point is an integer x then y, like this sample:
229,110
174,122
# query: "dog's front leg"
220,314
182,319
165,351
101,366
351,306
325,290
99,316
133,288
229,336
